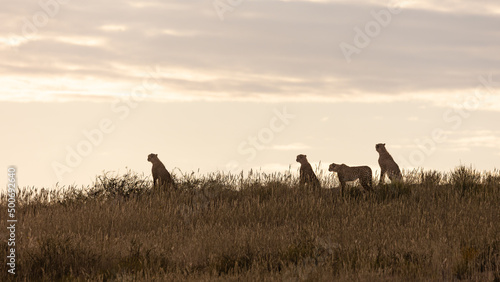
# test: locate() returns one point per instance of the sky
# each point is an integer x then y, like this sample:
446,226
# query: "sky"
231,85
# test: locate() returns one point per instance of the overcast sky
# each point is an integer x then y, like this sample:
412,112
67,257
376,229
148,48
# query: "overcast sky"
93,86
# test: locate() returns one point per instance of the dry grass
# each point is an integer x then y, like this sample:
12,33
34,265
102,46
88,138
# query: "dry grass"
434,226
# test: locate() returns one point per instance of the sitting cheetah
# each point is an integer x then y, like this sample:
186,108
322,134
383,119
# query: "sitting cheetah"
352,173
306,173
387,165
160,173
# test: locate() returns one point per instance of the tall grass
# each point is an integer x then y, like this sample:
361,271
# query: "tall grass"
433,226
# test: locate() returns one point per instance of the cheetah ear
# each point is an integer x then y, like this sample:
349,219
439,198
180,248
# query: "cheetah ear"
156,155
384,144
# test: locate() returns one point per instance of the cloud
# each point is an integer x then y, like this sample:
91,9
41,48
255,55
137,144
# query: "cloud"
466,140
106,48
457,141
476,7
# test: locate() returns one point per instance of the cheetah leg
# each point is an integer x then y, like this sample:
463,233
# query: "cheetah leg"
302,182
163,183
365,185
394,176
399,176
391,175
382,176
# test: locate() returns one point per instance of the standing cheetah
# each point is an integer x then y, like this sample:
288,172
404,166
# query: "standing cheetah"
160,173
387,165
348,173
307,174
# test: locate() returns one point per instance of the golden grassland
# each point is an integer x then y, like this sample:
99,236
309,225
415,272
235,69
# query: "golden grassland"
433,226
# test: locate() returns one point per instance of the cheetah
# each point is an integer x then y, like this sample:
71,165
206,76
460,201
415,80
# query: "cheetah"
307,175
160,173
352,173
387,165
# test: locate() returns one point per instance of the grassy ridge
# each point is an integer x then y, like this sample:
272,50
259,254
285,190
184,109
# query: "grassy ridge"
261,227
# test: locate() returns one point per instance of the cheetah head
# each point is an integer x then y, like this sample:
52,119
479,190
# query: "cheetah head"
380,147
301,158
334,167
152,157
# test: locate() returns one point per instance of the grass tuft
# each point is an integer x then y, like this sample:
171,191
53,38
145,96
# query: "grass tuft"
466,179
